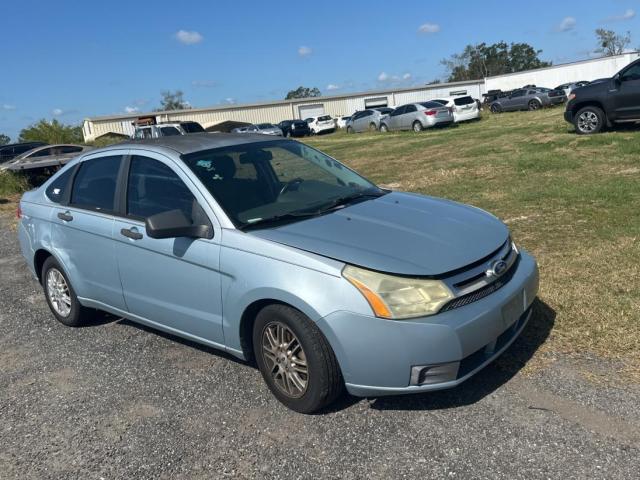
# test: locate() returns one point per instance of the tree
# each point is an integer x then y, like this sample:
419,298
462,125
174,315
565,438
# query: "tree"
173,101
303,92
612,43
4,139
51,132
482,60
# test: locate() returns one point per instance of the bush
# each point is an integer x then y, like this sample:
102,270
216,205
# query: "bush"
12,184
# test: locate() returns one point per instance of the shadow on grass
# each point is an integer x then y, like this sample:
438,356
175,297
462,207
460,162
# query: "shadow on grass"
488,379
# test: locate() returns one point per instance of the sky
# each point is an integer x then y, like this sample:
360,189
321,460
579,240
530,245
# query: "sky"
75,59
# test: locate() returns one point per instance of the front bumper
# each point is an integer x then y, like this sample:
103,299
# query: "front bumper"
377,356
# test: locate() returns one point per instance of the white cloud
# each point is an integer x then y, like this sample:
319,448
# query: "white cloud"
383,77
204,83
129,109
6,106
57,112
406,76
567,24
333,86
187,37
304,51
230,100
429,28
627,15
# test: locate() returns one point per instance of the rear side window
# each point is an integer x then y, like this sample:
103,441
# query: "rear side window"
463,101
410,108
56,191
154,187
95,184
70,149
169,131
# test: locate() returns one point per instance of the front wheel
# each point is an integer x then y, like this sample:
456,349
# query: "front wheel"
417,126
496,108
384,128
295,359
349,130
589,120
372,127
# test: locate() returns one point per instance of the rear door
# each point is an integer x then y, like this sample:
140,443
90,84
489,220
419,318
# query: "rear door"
362,123
408,117
626,100
82,229
172,283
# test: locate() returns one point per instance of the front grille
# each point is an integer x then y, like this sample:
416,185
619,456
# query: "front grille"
484,291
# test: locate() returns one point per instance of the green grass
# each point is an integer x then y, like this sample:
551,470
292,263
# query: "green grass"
573,201
11,184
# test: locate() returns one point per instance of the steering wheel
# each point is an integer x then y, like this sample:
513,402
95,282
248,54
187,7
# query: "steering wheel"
289,184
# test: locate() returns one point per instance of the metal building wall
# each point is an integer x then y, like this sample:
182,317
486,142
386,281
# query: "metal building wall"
557,75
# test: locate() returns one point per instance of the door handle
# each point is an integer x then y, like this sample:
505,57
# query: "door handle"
66,216
131,233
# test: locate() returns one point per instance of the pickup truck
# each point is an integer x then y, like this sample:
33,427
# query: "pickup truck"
606,102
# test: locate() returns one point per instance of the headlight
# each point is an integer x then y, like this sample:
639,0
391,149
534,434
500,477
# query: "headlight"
398,297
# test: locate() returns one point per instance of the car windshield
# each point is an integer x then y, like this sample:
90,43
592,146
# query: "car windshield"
264,183
192,127
543,90
324,118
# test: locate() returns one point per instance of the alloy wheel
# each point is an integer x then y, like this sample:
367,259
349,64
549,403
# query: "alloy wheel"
588,122
285,359
58,292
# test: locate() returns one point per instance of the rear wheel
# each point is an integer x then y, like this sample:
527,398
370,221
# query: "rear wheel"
534,105
589,120
295,359
384,128
61,297
417,126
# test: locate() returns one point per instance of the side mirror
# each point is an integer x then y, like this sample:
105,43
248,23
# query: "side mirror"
174,224
617,79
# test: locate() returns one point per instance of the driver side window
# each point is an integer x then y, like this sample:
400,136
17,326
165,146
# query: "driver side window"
632,73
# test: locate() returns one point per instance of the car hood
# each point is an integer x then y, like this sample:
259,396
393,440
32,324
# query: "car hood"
400,233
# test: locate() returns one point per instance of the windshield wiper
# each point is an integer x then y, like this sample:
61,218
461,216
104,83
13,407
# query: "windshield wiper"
284,218
346,200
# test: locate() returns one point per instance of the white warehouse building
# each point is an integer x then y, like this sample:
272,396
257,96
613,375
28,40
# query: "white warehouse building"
226,116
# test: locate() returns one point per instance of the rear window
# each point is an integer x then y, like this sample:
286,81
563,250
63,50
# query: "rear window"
324,118
55,192
192,127
431,105
169,131
95,184
441,102
463,101
299,124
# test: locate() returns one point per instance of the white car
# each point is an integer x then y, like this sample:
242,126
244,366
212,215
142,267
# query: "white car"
341,121
464,108
321,124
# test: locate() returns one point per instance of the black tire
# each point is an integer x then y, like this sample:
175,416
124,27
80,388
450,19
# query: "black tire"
372,127
324,380
384,128
78,315
495,108
349,130
534,105
589,120
288,134
417,126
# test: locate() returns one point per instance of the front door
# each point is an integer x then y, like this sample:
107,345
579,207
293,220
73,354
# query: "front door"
395,118
172,283
627,98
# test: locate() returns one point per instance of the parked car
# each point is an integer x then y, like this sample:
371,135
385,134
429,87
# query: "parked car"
262,128
270,250
245,129
567,88
49,157
464,108
417,117
367,120
167,129
606,102
12,150
341,121
321,124
528,99
294,128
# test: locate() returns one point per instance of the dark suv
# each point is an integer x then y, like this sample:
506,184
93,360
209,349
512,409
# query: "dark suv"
294,128
605,102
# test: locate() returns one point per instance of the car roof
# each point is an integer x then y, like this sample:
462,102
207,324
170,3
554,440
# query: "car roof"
194,142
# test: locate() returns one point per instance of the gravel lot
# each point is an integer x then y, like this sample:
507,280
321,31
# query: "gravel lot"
115,400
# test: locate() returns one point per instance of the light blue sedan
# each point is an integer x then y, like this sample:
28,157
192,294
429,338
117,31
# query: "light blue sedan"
271,250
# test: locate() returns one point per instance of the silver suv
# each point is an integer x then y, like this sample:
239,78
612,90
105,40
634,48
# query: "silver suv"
417,117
